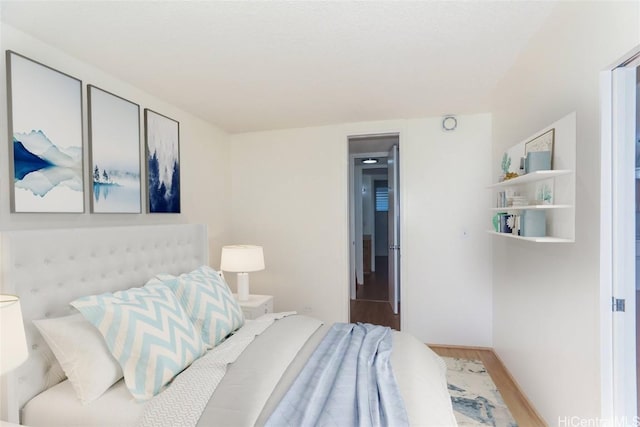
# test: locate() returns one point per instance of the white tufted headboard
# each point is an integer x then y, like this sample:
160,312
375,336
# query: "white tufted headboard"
48,269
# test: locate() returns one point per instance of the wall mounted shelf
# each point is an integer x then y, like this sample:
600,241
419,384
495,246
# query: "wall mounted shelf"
531,177
546,239
530,207
556,185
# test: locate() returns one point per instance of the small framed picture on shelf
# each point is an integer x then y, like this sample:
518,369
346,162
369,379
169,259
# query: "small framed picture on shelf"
544,193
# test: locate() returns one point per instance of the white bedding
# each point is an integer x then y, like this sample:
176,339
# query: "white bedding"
419,372
59,406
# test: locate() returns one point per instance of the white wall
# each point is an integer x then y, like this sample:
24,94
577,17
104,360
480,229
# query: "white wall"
448,276
204,152
546,297
289,194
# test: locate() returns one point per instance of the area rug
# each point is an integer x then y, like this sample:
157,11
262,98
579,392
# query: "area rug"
475,398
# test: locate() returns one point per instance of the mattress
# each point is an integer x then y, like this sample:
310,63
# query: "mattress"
254,384
59,406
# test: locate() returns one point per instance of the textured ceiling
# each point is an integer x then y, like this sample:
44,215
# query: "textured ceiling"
247,66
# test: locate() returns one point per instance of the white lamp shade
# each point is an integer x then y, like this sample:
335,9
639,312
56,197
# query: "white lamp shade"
242,258
13,344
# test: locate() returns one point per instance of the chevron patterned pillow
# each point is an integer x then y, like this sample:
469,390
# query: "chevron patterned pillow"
148,333
208,301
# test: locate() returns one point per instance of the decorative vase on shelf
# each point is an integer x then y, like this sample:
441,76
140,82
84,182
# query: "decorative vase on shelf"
506,163
537,161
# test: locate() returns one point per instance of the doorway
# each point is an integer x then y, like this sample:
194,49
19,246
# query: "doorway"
374,229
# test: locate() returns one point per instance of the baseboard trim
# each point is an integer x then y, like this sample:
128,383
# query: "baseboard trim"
458,347
517,386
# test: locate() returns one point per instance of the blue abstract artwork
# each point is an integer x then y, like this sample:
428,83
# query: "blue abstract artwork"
163,163
46,126
114,137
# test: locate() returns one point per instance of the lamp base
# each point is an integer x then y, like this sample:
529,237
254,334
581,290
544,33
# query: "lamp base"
243,286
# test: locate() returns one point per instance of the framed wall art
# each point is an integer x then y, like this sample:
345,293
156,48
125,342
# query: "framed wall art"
162,136
45,127
114,153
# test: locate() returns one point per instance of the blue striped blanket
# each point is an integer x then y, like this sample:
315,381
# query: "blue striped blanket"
348,381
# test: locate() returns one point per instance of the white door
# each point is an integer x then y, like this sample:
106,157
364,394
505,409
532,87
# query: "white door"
352,231
394,228
623,183
623,251
358,224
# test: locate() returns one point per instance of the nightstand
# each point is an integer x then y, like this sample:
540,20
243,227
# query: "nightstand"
256,306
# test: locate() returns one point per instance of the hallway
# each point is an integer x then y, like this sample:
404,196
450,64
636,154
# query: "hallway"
375,312
372,299
376,283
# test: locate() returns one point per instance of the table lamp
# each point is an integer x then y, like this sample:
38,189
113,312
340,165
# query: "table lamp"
242,259
13,344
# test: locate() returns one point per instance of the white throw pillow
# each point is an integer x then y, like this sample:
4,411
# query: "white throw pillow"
82,353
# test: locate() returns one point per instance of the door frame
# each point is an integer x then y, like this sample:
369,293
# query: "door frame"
617,330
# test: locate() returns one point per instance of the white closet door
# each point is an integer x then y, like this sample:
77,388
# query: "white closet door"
623,240
394,228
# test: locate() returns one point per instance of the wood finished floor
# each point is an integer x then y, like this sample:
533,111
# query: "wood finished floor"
376,283
519,406
375,312
372,299
371,306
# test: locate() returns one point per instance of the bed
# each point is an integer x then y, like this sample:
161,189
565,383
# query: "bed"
50,268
